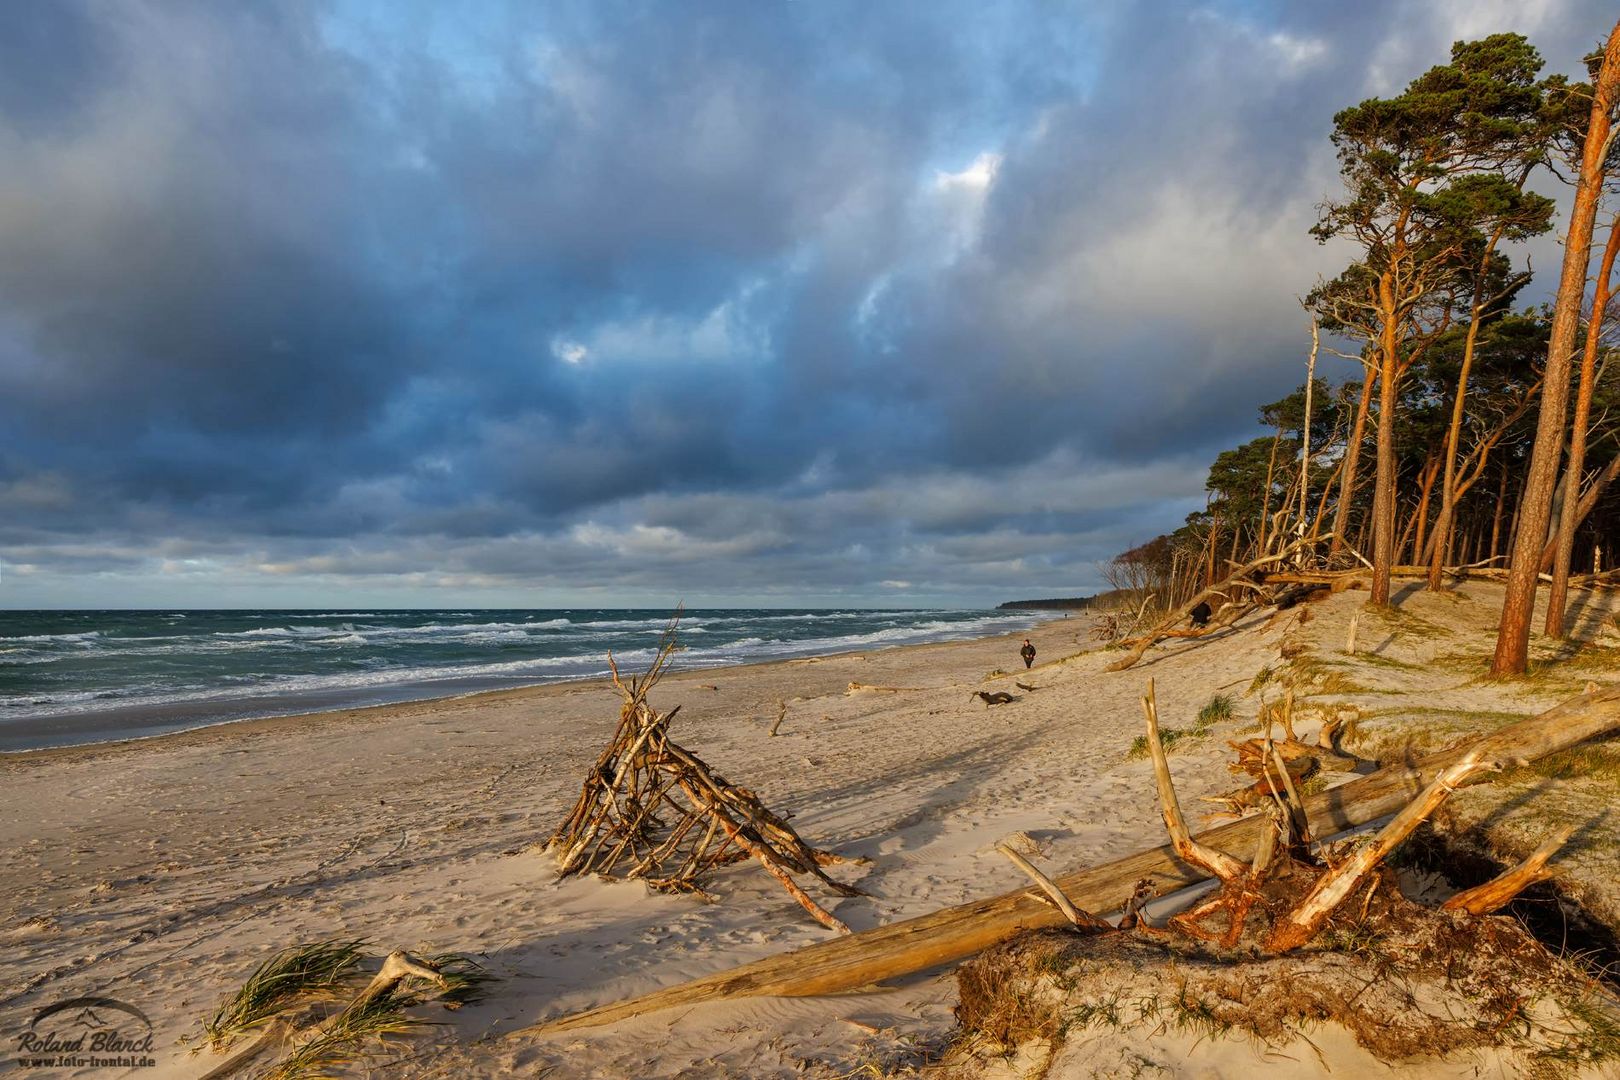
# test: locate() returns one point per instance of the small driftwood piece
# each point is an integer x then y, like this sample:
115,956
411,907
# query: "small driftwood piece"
1500,891
910,945
651,809
1166,628
1080,920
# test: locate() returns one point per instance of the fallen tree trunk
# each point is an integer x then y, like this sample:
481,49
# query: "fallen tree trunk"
912,945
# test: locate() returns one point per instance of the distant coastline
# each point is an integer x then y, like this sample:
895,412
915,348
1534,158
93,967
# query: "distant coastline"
1067,603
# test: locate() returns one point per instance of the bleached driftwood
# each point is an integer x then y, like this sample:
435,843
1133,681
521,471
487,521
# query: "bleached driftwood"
1499,892
1082,920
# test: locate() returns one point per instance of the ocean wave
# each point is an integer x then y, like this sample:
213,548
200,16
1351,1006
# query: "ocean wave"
337,615
230,673
52,639
625,624
149,694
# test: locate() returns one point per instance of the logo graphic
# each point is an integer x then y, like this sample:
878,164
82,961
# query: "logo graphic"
87,1032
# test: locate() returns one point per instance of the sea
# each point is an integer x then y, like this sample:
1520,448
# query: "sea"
74,677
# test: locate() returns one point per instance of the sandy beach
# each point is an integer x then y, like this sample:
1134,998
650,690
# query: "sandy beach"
160,872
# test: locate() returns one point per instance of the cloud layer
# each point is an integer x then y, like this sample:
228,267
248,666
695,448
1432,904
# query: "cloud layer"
621,302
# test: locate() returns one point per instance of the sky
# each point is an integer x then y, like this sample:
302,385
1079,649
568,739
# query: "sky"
755,303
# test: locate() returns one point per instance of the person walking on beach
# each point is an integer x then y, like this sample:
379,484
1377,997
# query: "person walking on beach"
1028,653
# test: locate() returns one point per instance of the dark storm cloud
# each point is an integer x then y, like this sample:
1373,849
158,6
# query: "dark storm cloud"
763,299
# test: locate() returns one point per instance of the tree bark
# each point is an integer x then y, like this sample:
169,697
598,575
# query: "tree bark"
1496,517
1513,639
1305,434
1448,487
1352,458
1383,508
1569,517
1417,529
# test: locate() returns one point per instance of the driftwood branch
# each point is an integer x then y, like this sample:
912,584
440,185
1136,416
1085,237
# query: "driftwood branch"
1218,863
1335,886
1499,892
1081,920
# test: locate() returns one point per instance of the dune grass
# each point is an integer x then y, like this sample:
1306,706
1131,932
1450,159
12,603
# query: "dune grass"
303,972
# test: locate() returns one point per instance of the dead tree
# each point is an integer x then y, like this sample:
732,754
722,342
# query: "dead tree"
651,809
1222,588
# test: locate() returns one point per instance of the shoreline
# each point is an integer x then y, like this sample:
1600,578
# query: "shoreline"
409,706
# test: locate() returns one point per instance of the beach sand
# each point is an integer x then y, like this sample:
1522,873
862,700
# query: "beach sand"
160,872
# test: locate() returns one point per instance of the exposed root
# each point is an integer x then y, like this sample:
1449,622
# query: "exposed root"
1336,941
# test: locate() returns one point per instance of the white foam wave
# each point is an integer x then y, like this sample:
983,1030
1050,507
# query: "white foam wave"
53,639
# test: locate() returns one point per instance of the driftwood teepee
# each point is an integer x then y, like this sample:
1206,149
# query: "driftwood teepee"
653,810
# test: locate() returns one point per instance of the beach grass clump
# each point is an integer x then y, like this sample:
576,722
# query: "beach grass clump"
1218,710
287,998
342,1041
1261,678
1588,761
1168,736
1316,678
1412,731
301,973
464,979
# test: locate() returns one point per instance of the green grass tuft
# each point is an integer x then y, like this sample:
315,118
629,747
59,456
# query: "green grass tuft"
342,1040
1261,678
299,973
1218,711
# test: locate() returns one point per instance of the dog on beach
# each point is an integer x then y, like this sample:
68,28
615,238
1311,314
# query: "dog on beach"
1000,697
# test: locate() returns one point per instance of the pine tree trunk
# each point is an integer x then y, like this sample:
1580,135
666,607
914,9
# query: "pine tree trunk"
1558,591
1383,509
1448,487
1265,505
1513,639
1431,469
1496,518
1305,432
1352,457
1209,563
